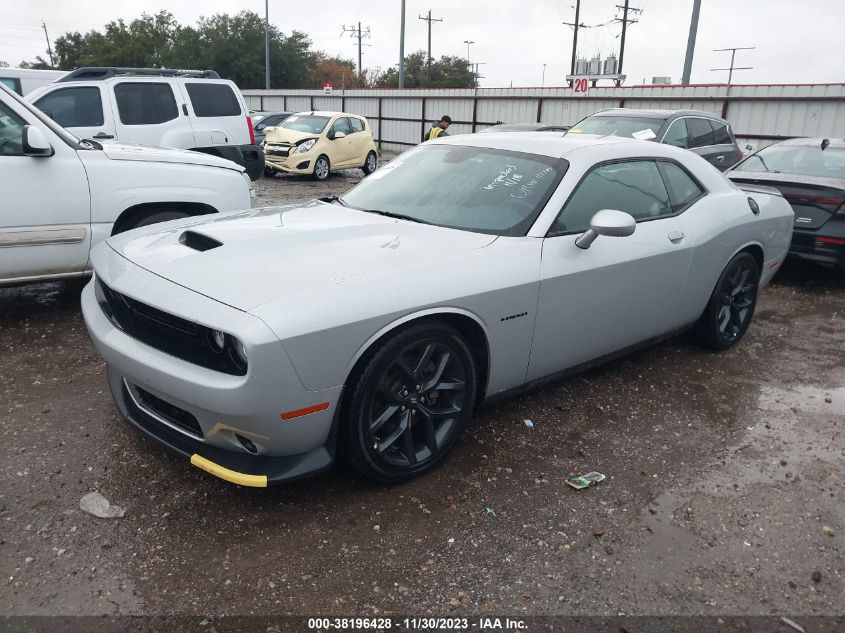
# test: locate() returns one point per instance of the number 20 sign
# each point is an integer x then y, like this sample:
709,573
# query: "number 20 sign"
580,86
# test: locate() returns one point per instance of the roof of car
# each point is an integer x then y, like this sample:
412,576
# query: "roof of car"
524,127
813,141
655,114
327,113
541,143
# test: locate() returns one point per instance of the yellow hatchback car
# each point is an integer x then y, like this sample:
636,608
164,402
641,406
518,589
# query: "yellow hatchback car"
317,142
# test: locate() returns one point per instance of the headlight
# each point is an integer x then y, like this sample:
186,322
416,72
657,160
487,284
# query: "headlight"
218,340
238,350
305,146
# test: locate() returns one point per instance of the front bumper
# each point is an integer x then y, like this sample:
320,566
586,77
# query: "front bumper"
224,410
825,246
257,471
283,157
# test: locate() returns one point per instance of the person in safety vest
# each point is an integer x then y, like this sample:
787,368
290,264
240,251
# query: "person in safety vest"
439,129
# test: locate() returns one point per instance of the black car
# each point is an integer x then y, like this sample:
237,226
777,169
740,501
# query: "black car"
525,127
810,173
705,134
265,120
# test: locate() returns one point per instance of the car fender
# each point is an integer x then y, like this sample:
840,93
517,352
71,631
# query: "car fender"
413,316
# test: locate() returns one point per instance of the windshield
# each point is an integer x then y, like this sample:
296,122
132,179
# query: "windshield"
62,133
305,123
797,159
471,188
619,125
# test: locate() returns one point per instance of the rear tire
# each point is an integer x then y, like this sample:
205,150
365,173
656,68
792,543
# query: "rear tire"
731,307
322,168
154,217
409,402
370,164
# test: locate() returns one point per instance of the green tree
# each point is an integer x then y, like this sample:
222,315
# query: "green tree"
233,45
446,72
3,64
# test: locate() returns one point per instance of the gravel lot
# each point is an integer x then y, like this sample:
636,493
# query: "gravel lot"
725,491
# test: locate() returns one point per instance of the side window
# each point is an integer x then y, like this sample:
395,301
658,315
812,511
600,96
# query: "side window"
268,121
341,125
213,99
356,124
721,134
677,134
145,103
11,132
12,83
700,132
635,187
683,190
73,107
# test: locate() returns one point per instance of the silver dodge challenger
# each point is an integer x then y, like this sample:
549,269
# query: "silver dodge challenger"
262,344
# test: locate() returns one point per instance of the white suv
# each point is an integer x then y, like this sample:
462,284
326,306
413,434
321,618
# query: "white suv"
184,109
60,195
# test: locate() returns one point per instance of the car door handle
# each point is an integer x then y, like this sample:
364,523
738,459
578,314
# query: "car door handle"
103,135
676,236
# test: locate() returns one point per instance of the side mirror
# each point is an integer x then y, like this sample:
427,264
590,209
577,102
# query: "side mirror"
338,135
35,143
607,222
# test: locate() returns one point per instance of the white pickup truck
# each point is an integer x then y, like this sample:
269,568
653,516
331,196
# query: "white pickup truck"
60,195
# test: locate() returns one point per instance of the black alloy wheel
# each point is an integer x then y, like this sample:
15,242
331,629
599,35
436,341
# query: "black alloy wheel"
410,403
731,306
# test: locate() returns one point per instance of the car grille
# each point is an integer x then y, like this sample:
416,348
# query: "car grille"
170,413
166,332
277,150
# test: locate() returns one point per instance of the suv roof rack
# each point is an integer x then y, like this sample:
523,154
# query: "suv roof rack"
99,73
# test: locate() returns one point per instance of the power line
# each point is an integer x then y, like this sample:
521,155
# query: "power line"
429,19
358,33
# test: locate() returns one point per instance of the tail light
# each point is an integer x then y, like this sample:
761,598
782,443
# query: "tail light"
251,130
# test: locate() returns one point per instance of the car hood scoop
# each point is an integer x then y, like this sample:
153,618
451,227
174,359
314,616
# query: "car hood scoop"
247,258
198,241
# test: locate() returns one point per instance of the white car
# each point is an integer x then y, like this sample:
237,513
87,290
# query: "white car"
60,195
372,325
185,109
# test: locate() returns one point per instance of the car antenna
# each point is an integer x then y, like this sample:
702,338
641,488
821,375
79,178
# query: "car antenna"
825,143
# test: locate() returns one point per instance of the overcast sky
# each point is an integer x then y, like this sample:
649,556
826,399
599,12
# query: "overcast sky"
796,42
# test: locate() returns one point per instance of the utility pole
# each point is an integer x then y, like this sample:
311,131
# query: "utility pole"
360,35
49,50
267,44
625,22
429,19
733,56
693,31
575,25
402,49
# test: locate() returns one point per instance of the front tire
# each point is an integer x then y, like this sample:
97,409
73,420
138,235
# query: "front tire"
409,403
731,307
370,164
322,168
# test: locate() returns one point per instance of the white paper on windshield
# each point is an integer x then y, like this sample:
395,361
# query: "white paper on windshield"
644,135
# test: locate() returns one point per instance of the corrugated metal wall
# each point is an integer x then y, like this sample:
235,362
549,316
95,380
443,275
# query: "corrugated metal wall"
759,114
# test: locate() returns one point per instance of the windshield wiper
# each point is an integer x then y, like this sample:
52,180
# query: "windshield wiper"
391,214
337,199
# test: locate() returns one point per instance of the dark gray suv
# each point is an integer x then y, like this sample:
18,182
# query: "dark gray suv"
701,132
